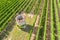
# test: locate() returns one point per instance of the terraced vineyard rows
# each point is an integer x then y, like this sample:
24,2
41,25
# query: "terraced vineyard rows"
42,19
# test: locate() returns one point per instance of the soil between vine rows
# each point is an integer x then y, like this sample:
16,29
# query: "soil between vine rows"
36,27
48,26
42,24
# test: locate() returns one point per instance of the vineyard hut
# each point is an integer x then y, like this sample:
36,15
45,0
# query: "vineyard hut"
20,20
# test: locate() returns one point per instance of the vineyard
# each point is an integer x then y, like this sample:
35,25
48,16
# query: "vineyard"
42,18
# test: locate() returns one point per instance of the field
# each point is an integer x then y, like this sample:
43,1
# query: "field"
44,25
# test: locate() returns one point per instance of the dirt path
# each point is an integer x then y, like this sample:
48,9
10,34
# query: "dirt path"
35,29
33,37
48,26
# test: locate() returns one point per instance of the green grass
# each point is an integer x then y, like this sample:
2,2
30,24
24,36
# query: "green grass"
57,20
40,21
54,17
46,22
9,9
52,37
59,3
12,9
11,14
18,34
28,10
41,30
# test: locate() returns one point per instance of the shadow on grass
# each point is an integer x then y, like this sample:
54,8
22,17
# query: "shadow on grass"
4,34
27,29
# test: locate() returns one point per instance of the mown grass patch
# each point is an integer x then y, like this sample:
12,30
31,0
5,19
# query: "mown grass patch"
23,34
